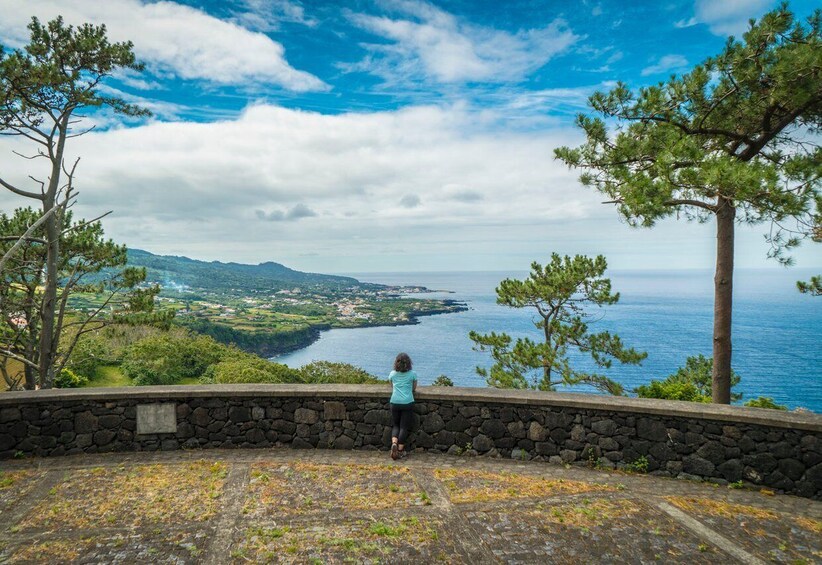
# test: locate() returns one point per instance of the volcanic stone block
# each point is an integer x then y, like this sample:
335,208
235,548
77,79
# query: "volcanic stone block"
110,421
240,414
536,432
343,442
762,462
493,428
85,422
650,429
782,450
556,420
9,414
433,423
695,465
104,437
604,427
731,470
568,455
457,424
713,451
482,443
377,417
792,469
334,410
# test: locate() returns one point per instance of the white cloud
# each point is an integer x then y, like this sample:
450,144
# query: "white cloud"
267,15
569,101
171,39
206,189
728,17
428,43
666,63
686,23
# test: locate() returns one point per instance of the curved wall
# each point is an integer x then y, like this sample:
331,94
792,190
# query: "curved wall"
780,450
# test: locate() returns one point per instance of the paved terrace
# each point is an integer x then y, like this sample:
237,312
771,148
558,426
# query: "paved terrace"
332,506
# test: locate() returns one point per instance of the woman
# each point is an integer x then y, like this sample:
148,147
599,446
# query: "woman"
404,382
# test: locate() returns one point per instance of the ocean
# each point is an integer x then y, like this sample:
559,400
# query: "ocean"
777,348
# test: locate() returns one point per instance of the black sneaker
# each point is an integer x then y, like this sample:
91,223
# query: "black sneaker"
402,454
395,451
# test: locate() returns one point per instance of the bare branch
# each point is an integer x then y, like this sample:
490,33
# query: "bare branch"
85,223
16,357
20,192
81,133
14,237
39,154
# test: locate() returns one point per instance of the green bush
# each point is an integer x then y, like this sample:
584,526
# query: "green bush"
765,402
691,382
442,380
321,372
89,353
672,390
169,358
69,379
250,369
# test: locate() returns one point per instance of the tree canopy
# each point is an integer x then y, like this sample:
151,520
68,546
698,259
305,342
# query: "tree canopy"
734,139
89,264
42,87
559,292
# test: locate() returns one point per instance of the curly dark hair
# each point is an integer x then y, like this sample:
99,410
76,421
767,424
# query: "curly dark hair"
402,364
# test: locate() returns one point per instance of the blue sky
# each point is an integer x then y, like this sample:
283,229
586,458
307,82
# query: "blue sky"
378,135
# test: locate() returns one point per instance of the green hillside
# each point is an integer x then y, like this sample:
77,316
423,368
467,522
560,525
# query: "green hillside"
174,272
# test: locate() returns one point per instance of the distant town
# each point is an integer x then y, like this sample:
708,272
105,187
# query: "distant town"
269,309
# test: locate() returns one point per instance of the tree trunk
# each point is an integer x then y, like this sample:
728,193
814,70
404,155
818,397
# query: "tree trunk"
49,301
723,301
48,339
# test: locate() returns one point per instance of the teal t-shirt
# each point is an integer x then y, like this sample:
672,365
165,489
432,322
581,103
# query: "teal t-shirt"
403,387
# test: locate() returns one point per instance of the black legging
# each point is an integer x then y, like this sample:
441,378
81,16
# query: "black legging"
401,417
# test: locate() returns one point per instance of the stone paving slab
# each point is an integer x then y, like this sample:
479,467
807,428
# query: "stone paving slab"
326,506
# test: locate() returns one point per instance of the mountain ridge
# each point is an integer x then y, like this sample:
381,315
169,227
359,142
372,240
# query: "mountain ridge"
179,271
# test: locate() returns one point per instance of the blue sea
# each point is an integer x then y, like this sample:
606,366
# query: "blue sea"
777,348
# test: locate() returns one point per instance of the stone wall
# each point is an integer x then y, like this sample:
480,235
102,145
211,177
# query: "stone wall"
782,451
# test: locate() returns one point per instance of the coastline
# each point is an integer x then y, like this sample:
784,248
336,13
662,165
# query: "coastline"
274,344
413,319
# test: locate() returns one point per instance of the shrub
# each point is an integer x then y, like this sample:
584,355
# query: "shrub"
765,402
169,358
69,379
691,382
442,380
89,353
251,369
321,372
671,390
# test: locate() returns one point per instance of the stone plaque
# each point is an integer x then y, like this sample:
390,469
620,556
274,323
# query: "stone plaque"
157,418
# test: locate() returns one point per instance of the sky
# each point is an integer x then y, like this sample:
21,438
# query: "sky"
377,135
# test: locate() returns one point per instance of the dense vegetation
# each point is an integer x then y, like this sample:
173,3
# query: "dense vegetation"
150,356
265,342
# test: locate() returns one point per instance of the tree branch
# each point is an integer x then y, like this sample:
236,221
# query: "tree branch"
20,192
